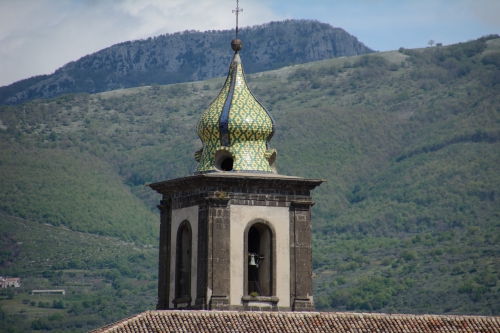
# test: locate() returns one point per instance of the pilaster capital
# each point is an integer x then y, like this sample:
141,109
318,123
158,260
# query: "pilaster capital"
165,205
218,201
301,204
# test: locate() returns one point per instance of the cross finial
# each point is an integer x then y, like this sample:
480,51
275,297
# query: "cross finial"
237,11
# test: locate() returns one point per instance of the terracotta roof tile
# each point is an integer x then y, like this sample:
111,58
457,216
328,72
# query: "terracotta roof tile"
339,322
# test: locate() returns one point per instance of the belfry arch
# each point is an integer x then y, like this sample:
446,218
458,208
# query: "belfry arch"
259,259
183,263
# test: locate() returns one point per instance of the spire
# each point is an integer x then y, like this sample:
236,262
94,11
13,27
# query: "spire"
236,128
237,11
236,44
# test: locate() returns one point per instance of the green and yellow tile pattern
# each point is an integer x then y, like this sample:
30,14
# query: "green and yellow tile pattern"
246,122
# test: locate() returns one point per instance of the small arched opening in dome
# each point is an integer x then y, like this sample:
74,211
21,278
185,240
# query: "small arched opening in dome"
224,160
227,164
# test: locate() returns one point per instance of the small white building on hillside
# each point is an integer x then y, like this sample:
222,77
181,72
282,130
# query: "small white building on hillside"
6,282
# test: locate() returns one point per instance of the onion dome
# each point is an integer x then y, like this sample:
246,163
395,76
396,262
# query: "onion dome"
236,128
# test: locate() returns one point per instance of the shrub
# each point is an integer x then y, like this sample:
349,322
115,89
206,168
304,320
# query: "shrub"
394,67
40,324
401,97
58,304
492,59
42,304
341,280
408,255
53,136
56,317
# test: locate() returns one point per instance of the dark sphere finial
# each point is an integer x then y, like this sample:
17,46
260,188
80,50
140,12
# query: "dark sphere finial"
236,44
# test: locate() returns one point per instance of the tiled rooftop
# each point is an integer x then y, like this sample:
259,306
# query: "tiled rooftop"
229,321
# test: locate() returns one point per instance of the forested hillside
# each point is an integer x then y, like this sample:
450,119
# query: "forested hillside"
409,142
105,278
188,56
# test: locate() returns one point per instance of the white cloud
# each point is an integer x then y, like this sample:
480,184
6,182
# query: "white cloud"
37,37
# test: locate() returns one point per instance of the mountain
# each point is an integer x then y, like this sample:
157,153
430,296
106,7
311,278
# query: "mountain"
408,141
189,56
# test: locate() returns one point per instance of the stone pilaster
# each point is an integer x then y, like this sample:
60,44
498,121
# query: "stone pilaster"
301,256
201,286
164,254
218,252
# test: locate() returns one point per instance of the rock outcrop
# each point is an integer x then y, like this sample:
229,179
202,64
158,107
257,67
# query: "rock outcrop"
189,56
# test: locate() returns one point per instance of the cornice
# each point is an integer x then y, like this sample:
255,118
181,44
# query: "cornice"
235,180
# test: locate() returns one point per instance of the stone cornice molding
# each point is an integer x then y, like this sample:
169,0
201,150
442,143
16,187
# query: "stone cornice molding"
229,181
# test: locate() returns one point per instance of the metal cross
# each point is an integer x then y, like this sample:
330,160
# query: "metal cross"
237,11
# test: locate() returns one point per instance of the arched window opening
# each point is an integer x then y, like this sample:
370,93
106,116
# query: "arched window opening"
183,262
224,160
259,246
227,164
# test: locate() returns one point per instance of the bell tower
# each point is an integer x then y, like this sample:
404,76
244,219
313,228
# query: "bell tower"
236,235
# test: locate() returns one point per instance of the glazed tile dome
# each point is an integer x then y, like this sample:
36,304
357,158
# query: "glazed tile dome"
235,130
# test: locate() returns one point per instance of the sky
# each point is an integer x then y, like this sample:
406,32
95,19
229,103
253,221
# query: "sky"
39,36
